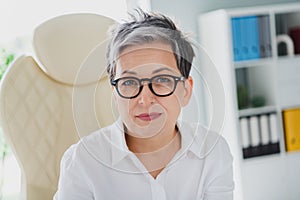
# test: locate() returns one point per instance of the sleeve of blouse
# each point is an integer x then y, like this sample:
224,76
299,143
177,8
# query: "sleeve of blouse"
72,183
221,184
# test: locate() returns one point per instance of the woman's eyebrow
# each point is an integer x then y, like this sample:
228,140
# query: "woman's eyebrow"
128,72
162,69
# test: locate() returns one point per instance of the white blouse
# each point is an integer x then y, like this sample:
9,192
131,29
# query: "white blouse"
101,167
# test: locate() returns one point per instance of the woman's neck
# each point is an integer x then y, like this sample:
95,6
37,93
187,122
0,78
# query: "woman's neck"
151,144
156,152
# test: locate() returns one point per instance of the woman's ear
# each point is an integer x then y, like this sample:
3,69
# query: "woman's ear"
188,90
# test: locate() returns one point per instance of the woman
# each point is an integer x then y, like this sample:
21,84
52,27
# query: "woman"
148,153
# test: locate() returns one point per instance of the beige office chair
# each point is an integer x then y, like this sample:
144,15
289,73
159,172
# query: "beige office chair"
47,102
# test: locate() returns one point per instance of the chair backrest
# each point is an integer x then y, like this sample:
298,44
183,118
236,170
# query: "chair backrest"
50,100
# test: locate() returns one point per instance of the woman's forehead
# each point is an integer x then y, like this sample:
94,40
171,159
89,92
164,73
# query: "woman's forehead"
147,58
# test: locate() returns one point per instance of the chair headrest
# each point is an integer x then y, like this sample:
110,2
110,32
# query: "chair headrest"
61,44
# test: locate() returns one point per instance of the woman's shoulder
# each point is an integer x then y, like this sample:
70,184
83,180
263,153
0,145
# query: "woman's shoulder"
206,141
93,144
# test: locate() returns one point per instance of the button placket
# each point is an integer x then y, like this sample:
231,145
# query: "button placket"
158,191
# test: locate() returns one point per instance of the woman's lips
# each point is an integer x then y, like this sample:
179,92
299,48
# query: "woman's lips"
149,116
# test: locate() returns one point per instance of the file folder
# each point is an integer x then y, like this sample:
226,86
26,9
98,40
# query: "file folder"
245,35
264,36
264,129
236,38
259,135
245,132
253,37
254,130
273,128
291,120
244,27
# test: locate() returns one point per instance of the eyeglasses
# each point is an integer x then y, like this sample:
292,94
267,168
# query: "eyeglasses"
160,85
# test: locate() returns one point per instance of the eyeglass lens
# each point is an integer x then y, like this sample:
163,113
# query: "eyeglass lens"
162,85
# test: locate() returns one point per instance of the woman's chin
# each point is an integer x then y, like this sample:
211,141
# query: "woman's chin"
145,129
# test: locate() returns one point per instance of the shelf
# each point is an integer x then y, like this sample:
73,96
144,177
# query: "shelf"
255,86
286,21
288,81
253,63
261,150
296,106
259,89
266,61
291,59
288,26
257,111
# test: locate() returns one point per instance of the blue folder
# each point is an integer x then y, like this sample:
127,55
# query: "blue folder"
245,37
236,38
253,38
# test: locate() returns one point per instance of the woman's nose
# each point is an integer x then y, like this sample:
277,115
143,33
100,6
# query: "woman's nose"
146,97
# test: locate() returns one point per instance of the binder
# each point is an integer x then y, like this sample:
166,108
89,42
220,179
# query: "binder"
273,128
250,48
244,28
254,130
236,38
245,132
264,36
264,129
291,120
253,37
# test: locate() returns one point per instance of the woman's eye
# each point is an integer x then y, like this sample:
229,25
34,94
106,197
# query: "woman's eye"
129,83
163,80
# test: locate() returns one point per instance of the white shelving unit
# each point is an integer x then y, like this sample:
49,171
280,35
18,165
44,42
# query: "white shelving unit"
273,174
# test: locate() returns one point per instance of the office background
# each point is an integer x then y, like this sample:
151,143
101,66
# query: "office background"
184,12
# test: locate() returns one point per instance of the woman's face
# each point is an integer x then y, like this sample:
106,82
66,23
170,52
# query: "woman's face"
147,114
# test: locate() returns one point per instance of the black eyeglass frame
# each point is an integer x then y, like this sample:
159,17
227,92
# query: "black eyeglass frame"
141,86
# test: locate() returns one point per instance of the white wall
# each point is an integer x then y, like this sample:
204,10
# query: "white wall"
187,11
19,17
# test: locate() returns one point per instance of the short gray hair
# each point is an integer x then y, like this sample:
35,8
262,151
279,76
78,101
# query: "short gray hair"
146,28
